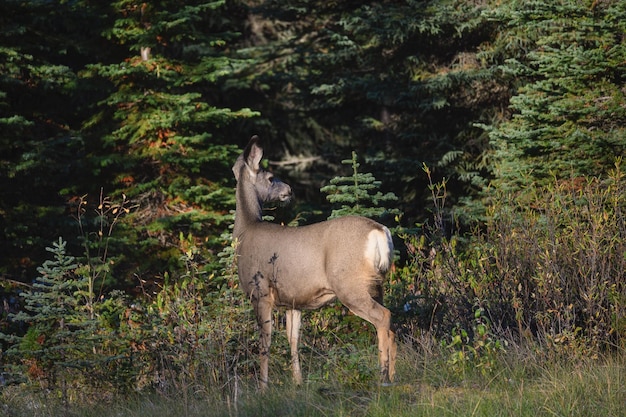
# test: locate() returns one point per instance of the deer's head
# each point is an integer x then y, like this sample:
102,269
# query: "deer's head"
248,171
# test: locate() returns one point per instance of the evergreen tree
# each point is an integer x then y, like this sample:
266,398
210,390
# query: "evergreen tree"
160,135
399,82
358,194
569,112
43,45
60,333
71,343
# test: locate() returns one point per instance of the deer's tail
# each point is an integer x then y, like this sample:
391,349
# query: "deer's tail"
380,248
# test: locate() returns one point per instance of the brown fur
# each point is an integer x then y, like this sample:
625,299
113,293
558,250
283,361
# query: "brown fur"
306,267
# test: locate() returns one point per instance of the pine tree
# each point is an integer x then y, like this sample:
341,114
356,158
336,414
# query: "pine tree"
61,334
569,115
71,343
358,194
43,45
160,135
399,82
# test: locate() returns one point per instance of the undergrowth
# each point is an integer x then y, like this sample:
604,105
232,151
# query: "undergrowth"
523,315
521,385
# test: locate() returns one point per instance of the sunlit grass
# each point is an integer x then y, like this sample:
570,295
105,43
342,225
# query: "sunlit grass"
521,385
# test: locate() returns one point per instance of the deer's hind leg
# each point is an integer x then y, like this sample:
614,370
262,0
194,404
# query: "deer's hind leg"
363,304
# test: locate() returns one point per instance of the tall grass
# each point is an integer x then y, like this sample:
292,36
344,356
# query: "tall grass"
520,385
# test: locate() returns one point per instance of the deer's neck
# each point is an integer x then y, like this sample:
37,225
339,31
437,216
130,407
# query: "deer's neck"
249,209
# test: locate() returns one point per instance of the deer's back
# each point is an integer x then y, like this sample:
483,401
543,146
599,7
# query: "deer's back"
306,266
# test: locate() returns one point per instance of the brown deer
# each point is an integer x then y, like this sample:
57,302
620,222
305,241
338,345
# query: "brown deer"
307,267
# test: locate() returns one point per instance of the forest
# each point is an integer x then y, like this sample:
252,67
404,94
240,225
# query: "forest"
489,136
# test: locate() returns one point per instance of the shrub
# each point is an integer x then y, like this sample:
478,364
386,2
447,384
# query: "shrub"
548,263
559,253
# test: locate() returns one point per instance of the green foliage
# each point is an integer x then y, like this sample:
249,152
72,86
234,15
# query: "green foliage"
559,253
52,313
193,333
151,102
358,194
76,343
521,386
189,337
547,266
395,81
480,349
41,103
439,286
568,58
159,134
67,339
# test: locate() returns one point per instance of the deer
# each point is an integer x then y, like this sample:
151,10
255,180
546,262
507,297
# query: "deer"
306,267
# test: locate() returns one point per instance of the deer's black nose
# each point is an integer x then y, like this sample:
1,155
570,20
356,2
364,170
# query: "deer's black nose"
286,194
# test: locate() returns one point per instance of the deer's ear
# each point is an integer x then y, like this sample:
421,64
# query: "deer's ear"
237,167
253,153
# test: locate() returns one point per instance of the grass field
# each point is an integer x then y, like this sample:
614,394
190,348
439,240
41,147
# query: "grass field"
520,384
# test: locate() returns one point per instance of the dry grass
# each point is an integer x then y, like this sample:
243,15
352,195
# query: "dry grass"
521,385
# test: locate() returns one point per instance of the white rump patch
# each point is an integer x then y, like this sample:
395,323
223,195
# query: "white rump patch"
379,248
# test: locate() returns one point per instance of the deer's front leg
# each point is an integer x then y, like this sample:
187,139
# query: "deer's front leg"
263,312
263,303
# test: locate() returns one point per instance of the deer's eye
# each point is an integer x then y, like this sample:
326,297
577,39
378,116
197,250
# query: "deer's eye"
270,178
